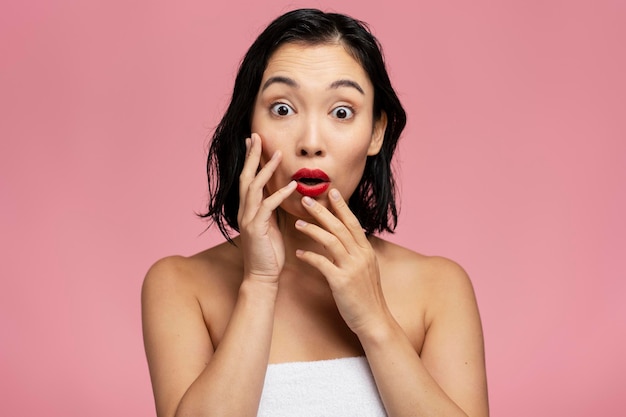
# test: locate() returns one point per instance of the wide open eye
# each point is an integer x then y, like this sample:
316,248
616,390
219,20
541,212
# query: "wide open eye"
342,112
281,109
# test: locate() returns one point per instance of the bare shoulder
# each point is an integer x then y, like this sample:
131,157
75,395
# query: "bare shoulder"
190,275
434,282
170,271
429,270
432,299
180,298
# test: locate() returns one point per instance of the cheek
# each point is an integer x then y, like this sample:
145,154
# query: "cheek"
267,150
268,145
355,153
257,126
353,168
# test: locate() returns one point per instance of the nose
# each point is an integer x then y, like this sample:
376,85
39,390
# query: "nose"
311,142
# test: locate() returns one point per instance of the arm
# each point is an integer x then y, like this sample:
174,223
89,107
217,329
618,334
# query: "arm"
448,379
188,377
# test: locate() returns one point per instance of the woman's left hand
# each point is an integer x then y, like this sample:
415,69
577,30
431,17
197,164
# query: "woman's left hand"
350,265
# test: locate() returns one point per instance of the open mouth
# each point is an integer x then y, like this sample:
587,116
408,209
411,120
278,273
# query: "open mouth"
311,182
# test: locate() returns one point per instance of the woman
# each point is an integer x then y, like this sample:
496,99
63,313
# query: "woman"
306,312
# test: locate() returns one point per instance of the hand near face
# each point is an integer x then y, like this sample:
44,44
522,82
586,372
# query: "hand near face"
262,242
351,267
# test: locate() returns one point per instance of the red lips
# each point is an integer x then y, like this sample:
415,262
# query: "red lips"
311,182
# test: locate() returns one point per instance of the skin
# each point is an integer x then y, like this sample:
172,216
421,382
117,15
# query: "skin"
303,282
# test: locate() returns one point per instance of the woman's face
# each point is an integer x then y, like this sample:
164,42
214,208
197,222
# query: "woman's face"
315,105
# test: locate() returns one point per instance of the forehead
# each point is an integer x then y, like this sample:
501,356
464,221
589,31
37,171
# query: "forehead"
311,64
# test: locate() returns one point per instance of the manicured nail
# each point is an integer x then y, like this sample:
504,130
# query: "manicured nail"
247,144
308,201
334,194
301,223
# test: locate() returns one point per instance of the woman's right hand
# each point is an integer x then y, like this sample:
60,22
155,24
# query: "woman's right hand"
261,240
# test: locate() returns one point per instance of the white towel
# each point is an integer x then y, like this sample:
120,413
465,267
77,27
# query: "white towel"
337,387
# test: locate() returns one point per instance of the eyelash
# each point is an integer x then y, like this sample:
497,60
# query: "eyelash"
274,106
350,110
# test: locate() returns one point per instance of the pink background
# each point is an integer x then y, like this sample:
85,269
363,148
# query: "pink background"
513,163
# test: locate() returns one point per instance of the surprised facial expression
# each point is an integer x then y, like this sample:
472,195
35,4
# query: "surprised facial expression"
315,105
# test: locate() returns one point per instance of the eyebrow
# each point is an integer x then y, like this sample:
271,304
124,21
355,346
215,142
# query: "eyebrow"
278,79
292,83
347,83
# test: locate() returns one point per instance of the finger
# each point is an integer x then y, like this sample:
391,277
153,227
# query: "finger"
347,217
255,193
323,264
272,202
265,173
253,158
337,249
329,222
250,166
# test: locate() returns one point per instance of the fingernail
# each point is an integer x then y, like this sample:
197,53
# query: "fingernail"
247,144
301,223
308,201
252,139
334,194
